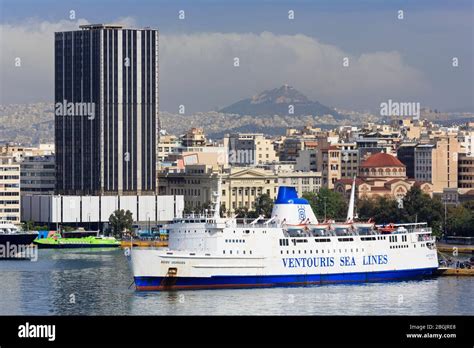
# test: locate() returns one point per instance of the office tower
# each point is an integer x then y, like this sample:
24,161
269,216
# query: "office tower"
106,110
437,162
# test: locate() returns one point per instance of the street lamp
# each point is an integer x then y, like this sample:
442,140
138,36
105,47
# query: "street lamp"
148,221
57,212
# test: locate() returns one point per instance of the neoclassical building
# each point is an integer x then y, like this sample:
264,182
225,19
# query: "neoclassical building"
382,174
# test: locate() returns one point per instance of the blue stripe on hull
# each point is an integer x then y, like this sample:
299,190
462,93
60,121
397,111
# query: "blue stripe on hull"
177,283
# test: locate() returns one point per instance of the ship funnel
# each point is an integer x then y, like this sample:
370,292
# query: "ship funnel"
292,210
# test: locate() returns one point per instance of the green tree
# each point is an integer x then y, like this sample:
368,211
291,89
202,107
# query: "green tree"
223,211
460,220
244,212
241,212
264,205
121,221
422,208
28,226
327,203
382,210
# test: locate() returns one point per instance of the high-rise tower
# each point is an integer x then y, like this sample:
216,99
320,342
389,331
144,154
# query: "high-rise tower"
106,110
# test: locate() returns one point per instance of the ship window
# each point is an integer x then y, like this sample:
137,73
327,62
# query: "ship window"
299,251
293,251
223,251
311,251
281,251
244,252
287,251
305,251
322,251
250,251
357,250
230,252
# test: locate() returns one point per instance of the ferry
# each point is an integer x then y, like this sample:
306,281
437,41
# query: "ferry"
76,239
290,249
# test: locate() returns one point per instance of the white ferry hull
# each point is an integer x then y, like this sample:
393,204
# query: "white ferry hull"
155,270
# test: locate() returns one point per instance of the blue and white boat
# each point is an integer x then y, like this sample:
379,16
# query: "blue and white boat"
208,251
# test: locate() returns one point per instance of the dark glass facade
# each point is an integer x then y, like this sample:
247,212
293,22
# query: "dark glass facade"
116,71
406,155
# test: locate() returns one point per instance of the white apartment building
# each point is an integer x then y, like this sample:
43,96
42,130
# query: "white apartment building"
250,149
9,189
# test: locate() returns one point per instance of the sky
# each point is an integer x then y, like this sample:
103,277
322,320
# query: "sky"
406,60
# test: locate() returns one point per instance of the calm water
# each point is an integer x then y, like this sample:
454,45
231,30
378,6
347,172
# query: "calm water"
92,282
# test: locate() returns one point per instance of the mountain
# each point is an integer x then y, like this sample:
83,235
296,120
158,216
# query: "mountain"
277,102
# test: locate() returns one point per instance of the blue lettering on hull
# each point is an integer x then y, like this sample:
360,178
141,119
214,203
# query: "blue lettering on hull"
176,283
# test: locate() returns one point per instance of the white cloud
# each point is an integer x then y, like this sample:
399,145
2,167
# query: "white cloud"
197,69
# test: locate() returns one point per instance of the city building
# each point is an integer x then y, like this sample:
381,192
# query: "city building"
437,162
106,110
194,137
465,172
240,186
18,152
328,162
349,159
249,149
93,212
168,145
381,175
306,160
9,189
466,140
38,175
406,155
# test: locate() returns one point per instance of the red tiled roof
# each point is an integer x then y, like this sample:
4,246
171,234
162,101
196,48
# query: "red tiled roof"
382,160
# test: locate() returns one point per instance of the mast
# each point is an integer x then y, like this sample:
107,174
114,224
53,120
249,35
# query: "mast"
350,210
217,198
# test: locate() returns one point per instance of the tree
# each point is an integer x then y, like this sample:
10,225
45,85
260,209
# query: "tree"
382,210
327,203
121,221
264,205
28,226
422,208
459,221
222,211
